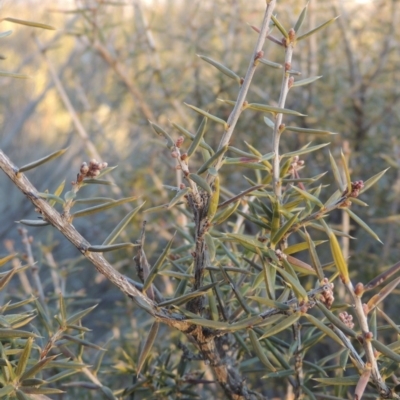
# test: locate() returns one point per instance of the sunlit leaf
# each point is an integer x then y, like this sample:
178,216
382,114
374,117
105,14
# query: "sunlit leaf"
29,23
318,28
222,68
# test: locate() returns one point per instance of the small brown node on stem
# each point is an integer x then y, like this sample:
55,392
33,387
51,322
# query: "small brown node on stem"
290,82
184,156
179,141
281,127
259,54
368,335
288,66
241,81
292,34
359,289
356,187
182,186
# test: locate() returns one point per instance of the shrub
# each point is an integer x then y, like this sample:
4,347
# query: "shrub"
231,279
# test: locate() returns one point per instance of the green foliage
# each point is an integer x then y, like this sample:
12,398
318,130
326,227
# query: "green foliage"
236,274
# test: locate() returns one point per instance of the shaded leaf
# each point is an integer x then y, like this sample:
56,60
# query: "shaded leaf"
121,226
43,160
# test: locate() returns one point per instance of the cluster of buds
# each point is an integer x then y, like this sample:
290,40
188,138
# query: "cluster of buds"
296,164
347,319
327,295
90,171
355,188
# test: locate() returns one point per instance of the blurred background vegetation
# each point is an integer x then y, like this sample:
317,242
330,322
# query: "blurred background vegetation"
113,65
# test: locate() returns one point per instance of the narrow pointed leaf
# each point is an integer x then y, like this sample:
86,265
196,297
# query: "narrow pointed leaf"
318,28
344,380
270,63
305,150
190,136
270,123
273,110
6,259
371,181
79,315
337,254
221,67
36,368
306,81
188,296
111,247
214,200
198,137
314,257
362,224
121,226
308,196
209,323
52,197
224,214
258,349
336,321
286,323
386,351
6,390
180,195
294,283
58,192
346,172
96,181
80,341
300,20
154,270
336,173
383,293
212,159
102,207
310,131
13,75
43,160
15,333
33,222
63,308
6,278
382,277
300,266
283,230
321,326
279,26
24,358
29,23
148,345
200,182
161,132
5,34
208,115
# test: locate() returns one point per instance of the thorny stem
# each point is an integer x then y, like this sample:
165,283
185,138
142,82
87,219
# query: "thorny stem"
384,390
278,121
234,116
